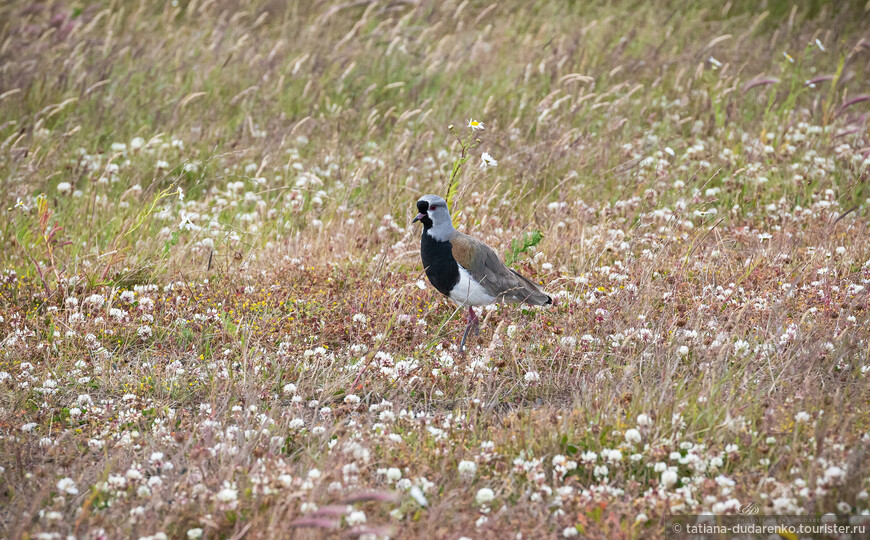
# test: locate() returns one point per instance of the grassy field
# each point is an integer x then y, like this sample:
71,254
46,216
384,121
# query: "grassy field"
205,210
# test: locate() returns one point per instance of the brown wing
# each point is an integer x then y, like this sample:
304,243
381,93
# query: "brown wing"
497,279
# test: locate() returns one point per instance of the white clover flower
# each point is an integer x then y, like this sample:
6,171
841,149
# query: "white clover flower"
589,457
467,468
68,486
532,377
64,188
228,494
632,436
724,481
194,534
133,475
393,474
612,456
802,417
484,496
834,474
570,532
669,478
356,517
683,350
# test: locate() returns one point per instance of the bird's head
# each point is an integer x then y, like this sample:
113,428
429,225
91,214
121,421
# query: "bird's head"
433,212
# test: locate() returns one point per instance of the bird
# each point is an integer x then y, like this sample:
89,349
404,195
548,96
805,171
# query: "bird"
466,270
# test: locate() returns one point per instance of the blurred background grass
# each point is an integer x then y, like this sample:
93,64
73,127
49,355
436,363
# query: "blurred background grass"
359,94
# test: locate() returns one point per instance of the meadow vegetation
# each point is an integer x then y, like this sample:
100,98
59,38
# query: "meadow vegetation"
214,322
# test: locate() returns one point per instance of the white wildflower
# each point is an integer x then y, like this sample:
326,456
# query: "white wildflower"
487,161
484,496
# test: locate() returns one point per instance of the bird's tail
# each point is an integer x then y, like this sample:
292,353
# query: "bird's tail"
531,293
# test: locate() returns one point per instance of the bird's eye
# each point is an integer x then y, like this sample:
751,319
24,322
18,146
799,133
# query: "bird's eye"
433,207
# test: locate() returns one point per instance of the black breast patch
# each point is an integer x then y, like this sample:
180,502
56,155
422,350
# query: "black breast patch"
441,268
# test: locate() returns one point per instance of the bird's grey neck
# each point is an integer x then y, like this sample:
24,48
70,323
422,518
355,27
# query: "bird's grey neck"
441,232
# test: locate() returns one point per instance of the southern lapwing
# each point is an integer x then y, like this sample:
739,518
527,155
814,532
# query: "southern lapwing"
465,269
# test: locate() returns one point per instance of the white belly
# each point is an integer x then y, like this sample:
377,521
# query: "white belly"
468,292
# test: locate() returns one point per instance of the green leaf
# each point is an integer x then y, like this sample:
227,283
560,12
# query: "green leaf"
171,242
518,247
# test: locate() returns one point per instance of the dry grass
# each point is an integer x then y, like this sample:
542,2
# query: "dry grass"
205,217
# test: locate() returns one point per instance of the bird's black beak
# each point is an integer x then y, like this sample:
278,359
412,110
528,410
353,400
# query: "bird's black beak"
419,217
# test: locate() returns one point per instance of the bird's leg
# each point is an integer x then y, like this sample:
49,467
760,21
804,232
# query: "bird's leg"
464,337
358,375
473,320
472,325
